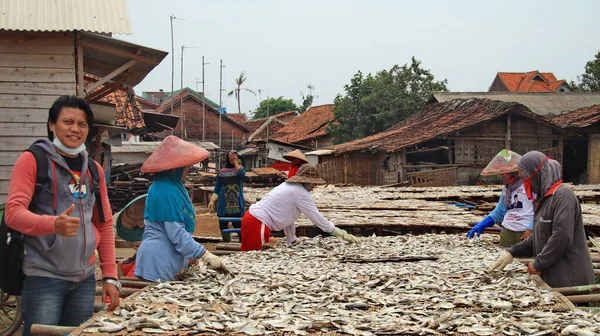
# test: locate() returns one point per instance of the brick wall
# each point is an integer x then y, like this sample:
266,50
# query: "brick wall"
193,126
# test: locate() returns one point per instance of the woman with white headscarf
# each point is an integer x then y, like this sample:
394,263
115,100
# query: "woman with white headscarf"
558,244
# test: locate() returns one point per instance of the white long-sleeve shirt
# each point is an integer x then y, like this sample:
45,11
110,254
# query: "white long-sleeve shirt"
281,207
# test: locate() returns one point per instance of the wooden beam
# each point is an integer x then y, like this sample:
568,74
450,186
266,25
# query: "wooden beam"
110,76
119,52
79,66
508,139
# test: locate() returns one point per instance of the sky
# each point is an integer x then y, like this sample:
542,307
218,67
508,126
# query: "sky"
285,45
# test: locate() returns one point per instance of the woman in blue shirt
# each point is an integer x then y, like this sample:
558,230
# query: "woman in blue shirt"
169,216
514,210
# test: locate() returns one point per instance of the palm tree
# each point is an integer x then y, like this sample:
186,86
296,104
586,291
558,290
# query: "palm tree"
238,89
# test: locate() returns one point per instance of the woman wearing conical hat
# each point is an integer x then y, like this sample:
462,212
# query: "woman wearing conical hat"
169,215
280,209
514,210
297,159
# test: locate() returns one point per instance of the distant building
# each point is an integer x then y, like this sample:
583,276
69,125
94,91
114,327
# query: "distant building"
202,123
532,81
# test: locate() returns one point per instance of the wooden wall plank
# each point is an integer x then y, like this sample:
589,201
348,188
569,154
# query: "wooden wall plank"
5,172
9,158
37,75
19,129
18,143
13,60
53,89
594,159
26,101
28,43
24,115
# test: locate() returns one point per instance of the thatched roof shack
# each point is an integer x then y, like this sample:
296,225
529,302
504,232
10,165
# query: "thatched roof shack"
447,143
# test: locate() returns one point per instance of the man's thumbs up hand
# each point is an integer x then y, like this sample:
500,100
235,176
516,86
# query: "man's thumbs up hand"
65,225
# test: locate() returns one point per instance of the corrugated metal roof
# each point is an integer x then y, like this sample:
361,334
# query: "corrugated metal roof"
100,16
150,146
542,103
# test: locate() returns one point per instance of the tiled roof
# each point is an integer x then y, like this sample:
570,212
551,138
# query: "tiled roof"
437,119
254,124
309,125
197,97
273,125
582,117
532,81
143,101
285,114
185,92
239,118
129,114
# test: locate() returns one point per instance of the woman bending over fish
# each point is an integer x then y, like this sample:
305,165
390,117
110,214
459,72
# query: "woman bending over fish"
169,217
280,209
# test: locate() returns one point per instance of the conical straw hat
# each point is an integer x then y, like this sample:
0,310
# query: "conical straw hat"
307,173
173,153
504,162
295,154
130,221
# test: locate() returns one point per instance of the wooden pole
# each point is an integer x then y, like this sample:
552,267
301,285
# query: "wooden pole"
229,246
586,298
80,71
124,291
221,253
42,329
578,289
508,138
136,284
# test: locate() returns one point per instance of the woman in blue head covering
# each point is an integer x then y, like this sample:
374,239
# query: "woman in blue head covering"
169,217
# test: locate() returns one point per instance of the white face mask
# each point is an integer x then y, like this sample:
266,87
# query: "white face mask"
67,150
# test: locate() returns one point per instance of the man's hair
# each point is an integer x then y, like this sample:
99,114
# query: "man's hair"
69,101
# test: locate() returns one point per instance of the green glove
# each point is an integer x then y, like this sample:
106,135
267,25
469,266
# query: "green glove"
345,235
212,205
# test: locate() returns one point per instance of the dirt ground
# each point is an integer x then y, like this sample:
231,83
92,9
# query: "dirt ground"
207,224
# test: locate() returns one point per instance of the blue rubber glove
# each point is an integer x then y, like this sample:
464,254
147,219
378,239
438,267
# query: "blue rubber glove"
485,223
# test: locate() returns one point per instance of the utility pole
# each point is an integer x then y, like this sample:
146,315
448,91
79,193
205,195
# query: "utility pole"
173,61
183,130
220,108
203,99
268,126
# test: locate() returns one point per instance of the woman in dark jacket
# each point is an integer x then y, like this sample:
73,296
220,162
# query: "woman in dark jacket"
558,244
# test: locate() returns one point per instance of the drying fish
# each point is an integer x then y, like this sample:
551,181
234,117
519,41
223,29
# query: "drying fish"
308,288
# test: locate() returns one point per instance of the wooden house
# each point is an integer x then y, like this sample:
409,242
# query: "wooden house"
42,57
582,144
448,143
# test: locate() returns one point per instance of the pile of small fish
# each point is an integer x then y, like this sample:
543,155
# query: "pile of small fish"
328,285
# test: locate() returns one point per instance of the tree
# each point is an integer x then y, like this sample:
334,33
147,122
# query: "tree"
238,89
272,106
307,100
373,104
590,80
